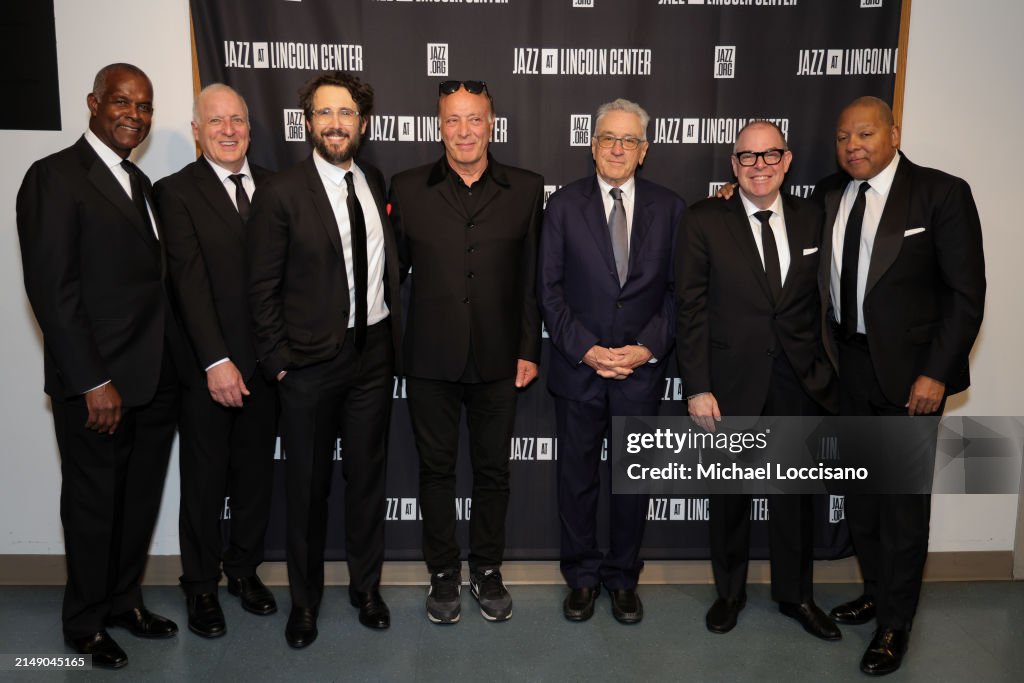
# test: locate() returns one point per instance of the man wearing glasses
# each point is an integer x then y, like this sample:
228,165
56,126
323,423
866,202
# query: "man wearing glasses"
467,227
749,343
605,288
323,290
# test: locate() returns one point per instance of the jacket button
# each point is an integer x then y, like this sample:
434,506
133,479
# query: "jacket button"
618,304
471,275
471,250
470,226
466,300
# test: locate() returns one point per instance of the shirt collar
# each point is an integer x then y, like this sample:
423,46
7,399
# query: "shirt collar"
331,172
626,187
106,155
751,209
223,173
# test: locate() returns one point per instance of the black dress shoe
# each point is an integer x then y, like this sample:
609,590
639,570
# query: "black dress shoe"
812,619
144,624
205,617
256,597
105,652
301,629
858,611
579,604
626,605
373,612
885,652
722,616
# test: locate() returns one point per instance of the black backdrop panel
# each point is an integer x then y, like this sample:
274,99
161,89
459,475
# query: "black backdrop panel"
701,69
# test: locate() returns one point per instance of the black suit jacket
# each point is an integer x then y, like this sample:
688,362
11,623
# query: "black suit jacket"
925,293
473,277
205,241
729,327
94,276
298,288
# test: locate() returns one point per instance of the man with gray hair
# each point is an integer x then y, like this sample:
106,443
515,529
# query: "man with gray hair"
605,286
229,410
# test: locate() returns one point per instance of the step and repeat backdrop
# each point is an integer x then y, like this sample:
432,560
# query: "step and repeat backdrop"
702,69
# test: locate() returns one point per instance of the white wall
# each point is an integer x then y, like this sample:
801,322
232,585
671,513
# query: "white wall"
962,89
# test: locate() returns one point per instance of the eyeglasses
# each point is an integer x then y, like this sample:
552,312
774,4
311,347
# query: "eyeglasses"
770,156
628,143
347,116
472,87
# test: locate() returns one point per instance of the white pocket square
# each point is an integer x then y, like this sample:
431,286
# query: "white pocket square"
913,231
810,250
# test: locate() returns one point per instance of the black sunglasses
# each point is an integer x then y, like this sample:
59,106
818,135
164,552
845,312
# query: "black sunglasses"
472,87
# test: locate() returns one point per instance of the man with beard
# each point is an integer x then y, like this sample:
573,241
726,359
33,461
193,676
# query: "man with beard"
324,297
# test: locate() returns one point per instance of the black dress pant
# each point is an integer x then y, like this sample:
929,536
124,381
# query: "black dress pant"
349,394
434,408
110,497
225,452
582,426
890,532
791,520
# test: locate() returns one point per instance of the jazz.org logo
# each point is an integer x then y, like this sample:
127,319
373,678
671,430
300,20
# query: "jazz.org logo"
836,509
530,448
725,61
294,125
579,130
846,62
582,3
437,59
870,3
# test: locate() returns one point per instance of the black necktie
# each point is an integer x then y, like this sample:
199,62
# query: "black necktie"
357,225
138,194
772,267
241,196
848,310
619,234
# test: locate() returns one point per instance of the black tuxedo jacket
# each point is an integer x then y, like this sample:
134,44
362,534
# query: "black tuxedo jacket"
205,241
473,277
925,293
94,274
730,329
298,288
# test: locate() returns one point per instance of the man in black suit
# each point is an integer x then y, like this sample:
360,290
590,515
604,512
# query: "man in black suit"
324,296
605,286
746,283
902,282
467,226
229,410
94,273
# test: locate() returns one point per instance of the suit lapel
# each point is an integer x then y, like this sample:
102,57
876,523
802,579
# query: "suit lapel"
105,182
597,222
793,219
214,193
889,237
323,206
739,228
640,229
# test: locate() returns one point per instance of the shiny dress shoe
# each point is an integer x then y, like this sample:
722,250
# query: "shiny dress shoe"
301,629
256,597
812,619
885,652
721,618
858,611
626,606
373,612
205,617
579,604
144,624
106,653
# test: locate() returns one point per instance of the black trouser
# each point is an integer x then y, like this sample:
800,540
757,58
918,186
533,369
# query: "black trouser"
225,452
434,408
350,394
791,521
890,532
109,500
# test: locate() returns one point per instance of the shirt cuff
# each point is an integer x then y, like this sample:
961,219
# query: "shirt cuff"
220,362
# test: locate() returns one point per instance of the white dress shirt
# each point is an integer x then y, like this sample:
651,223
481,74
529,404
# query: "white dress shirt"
777,221
628,195
113,162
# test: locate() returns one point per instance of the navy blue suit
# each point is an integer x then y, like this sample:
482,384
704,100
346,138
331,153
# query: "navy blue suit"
584,305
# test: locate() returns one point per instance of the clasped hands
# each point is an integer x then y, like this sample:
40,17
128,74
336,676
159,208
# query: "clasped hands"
617,363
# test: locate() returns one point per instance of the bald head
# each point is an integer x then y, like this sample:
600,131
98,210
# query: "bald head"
880,107
220,125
